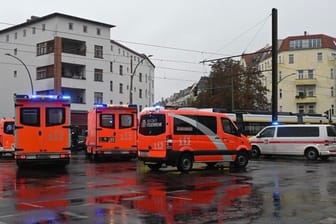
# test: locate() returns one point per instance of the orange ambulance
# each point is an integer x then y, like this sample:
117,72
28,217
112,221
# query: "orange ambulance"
42,129
112,132
181,137
6,136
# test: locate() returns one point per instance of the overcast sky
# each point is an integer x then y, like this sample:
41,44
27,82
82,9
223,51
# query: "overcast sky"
181,33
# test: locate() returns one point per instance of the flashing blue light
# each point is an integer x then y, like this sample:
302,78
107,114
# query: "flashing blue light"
275,123
66,97
100,105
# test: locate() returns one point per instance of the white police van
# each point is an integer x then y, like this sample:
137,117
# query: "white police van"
309,140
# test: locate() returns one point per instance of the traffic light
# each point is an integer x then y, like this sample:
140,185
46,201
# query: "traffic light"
328,114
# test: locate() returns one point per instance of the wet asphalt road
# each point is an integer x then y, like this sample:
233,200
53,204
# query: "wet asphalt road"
277,190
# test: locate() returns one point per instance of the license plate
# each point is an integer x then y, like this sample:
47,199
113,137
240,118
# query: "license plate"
43,156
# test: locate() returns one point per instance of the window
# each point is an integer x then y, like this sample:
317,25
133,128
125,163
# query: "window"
24,33
311,109
45,48
332,91
228,127
55,116
301,108
33,30
107,120
140,77
267,133
300,74
98,75
195,125
43,27
280,93
98,97
98,51
15,74
84,29
332,73
111,86
98,31
7,37
30,116
45,72
120,88
319,56
298,132
15,51
111,66
291,59
70,25
310,74
120,69
125,120
331,131
140,93
153,124
15,35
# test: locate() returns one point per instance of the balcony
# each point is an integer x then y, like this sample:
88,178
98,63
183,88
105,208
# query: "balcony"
73,47
73,71
305,82
302,98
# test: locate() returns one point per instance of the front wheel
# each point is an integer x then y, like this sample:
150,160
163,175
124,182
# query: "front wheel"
241,160
255,152
185,163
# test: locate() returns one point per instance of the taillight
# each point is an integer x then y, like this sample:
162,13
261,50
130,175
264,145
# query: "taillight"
169,142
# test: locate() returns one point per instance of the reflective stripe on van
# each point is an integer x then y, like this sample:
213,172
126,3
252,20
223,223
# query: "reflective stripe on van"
204,129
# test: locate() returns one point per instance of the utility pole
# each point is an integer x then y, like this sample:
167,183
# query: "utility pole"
274,66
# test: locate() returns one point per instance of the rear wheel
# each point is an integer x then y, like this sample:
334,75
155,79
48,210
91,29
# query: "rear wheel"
311,154
185,163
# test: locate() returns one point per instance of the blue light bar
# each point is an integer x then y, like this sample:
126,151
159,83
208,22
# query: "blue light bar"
102,105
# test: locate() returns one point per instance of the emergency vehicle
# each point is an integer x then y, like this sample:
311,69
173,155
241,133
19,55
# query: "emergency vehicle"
112,131
42,129
180,137
6,136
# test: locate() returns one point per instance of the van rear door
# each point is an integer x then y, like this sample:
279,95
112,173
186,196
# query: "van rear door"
152,124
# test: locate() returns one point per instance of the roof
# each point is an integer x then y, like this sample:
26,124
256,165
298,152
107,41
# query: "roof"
326,41
35,19
133,51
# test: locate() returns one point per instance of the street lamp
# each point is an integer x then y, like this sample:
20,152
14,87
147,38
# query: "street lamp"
30,78
132,77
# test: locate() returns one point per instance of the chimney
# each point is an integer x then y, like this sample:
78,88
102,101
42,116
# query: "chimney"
305,33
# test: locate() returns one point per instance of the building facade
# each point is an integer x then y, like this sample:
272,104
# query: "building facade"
306,73
63,54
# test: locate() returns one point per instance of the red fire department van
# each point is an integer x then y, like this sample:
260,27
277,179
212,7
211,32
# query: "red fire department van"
6,136
180,137
42,129
112,132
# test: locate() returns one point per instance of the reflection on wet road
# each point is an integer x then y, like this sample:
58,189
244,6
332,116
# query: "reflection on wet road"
127,192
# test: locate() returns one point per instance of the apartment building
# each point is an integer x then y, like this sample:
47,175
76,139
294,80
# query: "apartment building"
306,73
64,54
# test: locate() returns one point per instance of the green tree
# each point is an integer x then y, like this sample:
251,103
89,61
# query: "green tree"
232,87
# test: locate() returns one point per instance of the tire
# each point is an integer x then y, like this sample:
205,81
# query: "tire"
311,154
154,167
241,160
185,162
255,152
